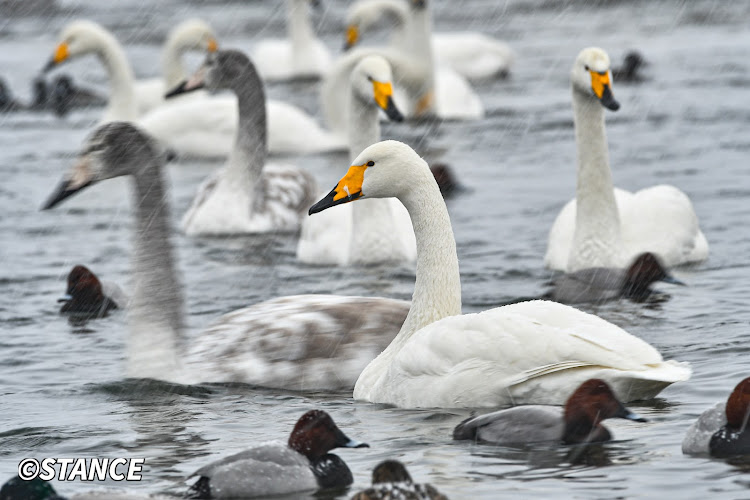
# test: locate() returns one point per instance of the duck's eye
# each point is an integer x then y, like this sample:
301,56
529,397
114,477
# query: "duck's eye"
370,163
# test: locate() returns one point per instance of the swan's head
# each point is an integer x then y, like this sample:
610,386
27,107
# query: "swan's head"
591,76
78,38
194,34
112,150
223,69
364,15
387,169
371,83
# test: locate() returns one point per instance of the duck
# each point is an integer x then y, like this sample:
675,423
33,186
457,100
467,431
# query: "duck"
579,422
721,431
391,481
275,468
525,353
66,95
629,71
38,489
385,233
472,55
600,284
301,56
297,343
613,226
201,128
248,195
87,296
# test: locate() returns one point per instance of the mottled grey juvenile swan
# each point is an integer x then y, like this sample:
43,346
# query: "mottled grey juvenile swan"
301,342
247,195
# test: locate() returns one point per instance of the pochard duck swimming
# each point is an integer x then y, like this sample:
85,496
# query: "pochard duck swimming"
578,422
39,489
721,431
87,296
599,284
276,468
391,481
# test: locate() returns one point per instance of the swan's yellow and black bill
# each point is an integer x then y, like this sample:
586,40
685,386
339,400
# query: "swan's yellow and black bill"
352,36
195,82
79,179
62,52
383,94
348,189
602,88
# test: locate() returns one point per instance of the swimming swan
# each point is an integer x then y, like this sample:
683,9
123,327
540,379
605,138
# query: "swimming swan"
302,55
613,225
306,342
472,55
533,352
384,229
204,127
246,196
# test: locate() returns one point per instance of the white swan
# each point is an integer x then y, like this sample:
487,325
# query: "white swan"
384,229
302,55
472,55
303,342
613,226
202,127
246,196
534,352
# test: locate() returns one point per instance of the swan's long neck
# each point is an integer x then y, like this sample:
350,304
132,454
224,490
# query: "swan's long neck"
364,124
437,291
122,82
299,29
155,310
249,153
421,27
597,240
172,66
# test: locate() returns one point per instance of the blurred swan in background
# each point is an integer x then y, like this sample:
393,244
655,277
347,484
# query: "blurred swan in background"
473,55
247,195
307,342
613,226
375,230
533,352
301,55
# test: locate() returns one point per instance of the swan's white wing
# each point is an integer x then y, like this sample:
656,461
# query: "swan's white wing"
661,219
304,342
560,240
454,97
534,352
473,55
275,61
148,94
291,130
325,237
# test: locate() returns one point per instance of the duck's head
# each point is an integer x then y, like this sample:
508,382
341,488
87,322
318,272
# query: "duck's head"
194,34
371,81
223,69
34,489
738,406
647,268
384,170
112,150
591,76
315,434
77,38
585,409
390,471
365,15
83,287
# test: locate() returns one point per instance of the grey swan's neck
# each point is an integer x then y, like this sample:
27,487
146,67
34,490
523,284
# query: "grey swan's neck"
156,308
250,149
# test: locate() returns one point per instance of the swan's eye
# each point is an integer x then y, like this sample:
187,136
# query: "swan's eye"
586,67
369,78
370,163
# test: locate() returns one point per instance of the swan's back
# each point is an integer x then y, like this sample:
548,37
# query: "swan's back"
534,352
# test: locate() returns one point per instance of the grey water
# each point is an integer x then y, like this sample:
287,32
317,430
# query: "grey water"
63,388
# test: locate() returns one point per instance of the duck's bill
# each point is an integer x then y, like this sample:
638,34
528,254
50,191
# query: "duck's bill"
65,298
332,199
673,281
79,179
342,441
195,82
61,54
629,415
392,111
356,444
